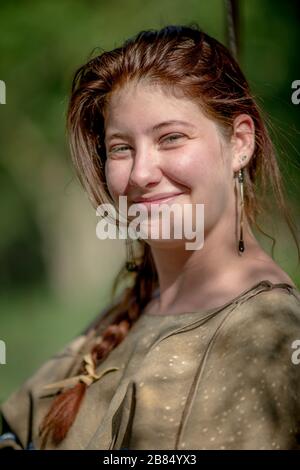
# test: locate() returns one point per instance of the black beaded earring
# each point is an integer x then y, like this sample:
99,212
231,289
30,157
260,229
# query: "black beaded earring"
241,185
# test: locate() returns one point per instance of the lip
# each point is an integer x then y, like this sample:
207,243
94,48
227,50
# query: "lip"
157,198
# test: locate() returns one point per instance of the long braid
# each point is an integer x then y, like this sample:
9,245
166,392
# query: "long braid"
66,405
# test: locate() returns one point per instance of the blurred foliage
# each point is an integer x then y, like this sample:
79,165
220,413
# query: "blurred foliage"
54,278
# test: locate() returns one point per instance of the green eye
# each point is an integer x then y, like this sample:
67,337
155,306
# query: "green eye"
117,149
172,138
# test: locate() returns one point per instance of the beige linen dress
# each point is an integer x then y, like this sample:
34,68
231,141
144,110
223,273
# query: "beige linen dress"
222,378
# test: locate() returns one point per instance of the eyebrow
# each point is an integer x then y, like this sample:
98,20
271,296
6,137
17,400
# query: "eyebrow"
153,129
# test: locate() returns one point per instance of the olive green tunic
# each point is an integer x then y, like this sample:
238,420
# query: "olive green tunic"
216,379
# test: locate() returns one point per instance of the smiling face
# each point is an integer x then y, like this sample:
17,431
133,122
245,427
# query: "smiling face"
159,145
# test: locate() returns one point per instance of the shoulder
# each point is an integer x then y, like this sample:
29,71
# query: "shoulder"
261,329
275,303
250,375
62,363
17,411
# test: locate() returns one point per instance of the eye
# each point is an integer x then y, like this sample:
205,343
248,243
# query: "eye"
172,138
118,149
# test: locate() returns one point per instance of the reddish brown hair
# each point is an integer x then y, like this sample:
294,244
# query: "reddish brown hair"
185,61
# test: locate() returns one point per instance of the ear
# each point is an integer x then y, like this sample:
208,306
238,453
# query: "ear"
242,141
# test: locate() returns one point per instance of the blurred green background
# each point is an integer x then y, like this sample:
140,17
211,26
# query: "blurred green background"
55,274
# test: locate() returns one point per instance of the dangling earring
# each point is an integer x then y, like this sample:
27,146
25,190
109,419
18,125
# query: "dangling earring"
131,265
241,183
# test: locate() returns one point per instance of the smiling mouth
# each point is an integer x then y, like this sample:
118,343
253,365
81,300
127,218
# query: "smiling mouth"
149,202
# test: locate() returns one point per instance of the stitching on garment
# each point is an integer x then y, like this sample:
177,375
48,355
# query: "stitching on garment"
264,285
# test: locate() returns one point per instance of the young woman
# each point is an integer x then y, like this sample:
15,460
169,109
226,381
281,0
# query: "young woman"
199,352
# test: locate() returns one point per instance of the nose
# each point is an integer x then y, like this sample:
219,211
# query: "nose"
145,169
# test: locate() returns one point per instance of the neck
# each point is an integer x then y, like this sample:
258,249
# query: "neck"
183,275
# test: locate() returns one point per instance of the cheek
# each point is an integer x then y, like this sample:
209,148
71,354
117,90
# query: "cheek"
202,169
117,176
192,167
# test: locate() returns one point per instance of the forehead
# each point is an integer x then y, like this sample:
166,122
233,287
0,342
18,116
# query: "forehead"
139,106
